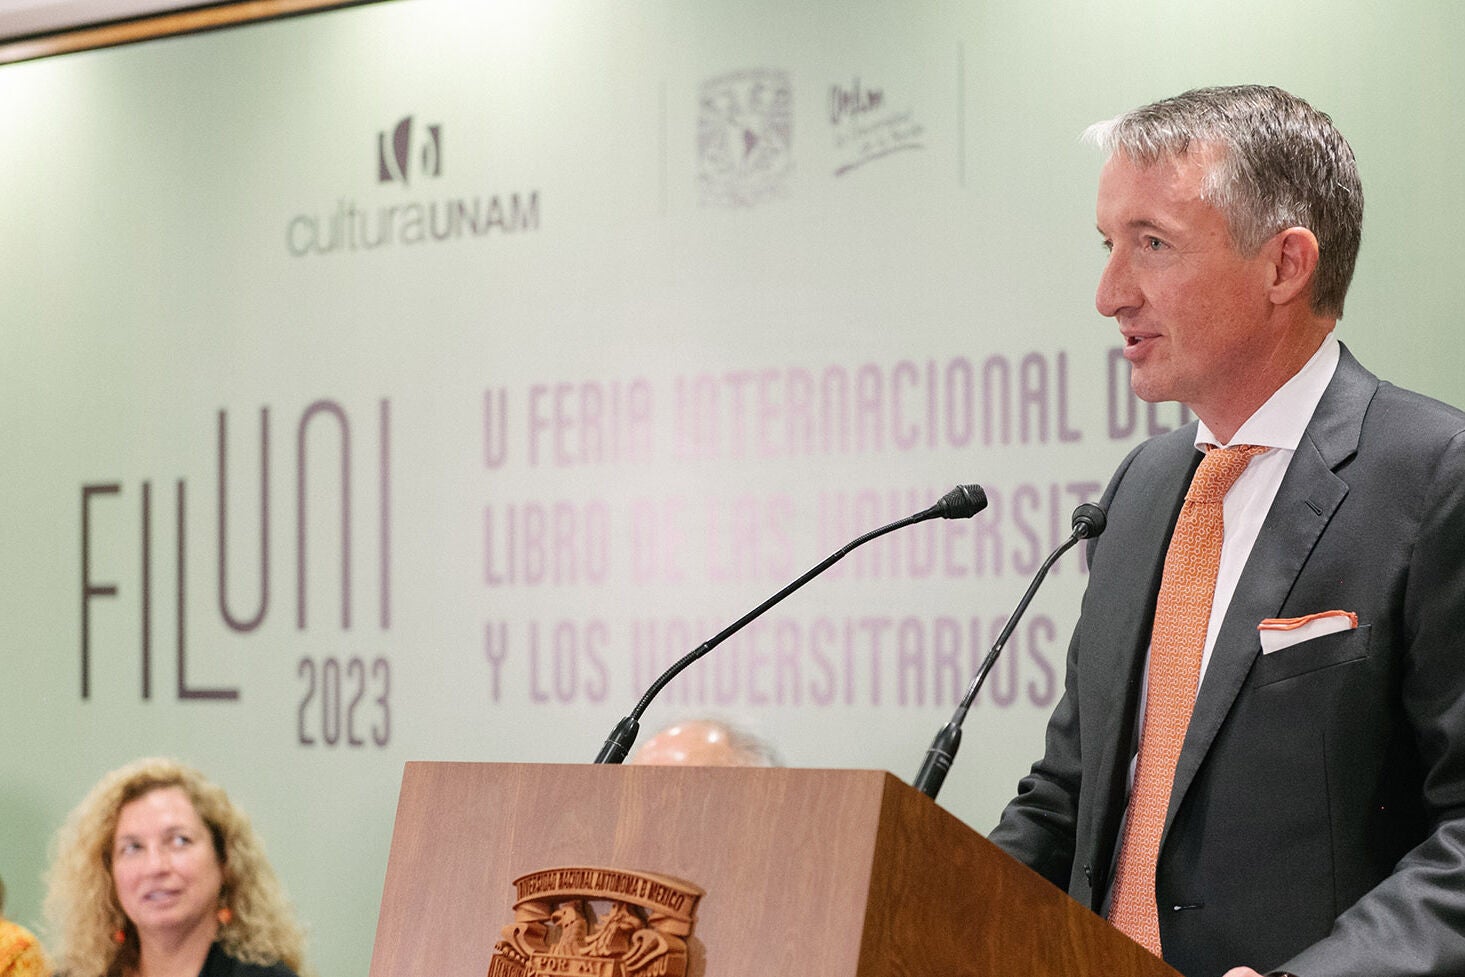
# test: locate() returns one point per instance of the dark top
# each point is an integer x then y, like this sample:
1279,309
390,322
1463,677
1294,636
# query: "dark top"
220,964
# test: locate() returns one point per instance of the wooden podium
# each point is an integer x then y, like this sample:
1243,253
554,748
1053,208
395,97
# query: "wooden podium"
806,873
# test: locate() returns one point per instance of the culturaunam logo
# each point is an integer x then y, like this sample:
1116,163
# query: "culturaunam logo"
404,153
394,156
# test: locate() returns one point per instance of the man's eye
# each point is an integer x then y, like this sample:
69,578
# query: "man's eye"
1154,244
1107,245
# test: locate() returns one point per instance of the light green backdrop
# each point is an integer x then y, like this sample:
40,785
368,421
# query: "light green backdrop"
912,191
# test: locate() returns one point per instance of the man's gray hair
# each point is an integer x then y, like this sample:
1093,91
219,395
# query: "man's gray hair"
1282,164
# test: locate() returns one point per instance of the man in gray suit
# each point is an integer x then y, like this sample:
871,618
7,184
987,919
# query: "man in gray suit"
1316,815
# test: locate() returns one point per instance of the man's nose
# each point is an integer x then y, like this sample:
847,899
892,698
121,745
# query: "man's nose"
1116,290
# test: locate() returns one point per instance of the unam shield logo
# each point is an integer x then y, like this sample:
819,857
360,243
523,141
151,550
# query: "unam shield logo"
557,933
744,137
394,157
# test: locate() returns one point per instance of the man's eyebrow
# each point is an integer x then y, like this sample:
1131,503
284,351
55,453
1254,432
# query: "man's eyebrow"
1140,224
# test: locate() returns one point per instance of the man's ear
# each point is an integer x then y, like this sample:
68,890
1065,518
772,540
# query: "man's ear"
1295,255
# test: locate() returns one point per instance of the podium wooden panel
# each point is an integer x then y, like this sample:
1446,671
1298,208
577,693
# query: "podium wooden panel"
808,873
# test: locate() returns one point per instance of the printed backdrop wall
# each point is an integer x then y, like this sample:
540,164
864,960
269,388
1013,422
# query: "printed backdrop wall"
416,380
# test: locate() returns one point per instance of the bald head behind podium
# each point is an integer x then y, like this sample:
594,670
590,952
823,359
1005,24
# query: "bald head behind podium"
705,743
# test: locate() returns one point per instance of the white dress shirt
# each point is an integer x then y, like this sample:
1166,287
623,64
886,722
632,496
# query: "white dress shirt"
1278,424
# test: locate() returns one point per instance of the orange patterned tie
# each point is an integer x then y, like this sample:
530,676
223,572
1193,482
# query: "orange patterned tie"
1182,616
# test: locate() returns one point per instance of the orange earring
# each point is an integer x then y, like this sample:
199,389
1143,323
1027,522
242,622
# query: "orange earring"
119,936
225,915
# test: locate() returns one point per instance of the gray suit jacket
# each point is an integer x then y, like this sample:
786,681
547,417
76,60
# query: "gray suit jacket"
1317,821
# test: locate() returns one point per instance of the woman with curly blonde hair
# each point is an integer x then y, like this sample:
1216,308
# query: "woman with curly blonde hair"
157,874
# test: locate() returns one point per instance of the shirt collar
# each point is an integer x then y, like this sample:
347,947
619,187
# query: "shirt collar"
1280,422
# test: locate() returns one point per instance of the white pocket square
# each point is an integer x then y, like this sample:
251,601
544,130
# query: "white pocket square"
1284,632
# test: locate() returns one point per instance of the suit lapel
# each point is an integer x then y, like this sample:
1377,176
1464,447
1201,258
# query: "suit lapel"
1309,495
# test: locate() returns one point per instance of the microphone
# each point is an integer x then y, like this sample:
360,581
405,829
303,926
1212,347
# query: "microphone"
1088,522
962,502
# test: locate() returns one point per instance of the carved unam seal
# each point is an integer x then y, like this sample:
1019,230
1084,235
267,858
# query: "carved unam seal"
556,932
